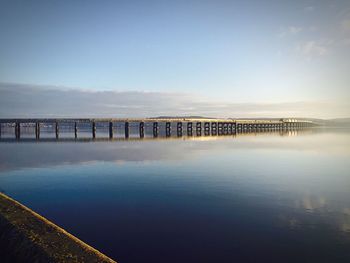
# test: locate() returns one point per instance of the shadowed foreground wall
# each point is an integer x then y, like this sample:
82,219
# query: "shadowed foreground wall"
28,237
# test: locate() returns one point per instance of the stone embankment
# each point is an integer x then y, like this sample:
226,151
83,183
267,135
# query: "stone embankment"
25,236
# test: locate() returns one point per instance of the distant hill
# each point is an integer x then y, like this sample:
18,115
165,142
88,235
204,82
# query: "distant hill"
343,122
182,117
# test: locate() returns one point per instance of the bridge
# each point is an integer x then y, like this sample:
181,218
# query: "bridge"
215,126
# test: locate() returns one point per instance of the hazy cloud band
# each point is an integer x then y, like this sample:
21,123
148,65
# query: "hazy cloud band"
18,100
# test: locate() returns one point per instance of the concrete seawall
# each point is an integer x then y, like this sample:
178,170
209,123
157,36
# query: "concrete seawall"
25,236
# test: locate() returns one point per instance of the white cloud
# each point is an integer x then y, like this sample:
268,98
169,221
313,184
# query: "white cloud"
294,30
291,30
312,48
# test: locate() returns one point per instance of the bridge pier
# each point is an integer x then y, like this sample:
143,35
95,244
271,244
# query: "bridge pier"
179,126
93,130
179,129
126,129
110,130
57,130
214,128
75,130
37,130
219,127
142,129
189,127
155,129
233,127
229,127
168,129
224,127
17,130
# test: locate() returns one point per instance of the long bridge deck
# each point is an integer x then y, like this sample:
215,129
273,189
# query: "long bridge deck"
197,124
90,120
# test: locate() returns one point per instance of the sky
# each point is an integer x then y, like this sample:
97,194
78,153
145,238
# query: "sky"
150,58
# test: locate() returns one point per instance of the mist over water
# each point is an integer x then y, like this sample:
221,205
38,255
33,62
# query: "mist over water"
260,197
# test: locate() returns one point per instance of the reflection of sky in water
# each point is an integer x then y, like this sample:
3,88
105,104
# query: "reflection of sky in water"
264,197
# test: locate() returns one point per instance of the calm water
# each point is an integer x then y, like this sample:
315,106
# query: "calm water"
245,198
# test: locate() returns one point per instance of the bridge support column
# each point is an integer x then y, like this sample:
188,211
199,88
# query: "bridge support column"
57,130
214,128
179,126
37,130
179,129
219,126
110,130
75,130
142,129
126,129
93,130
198,126
189,128
224,125
18,130
155,129
168,129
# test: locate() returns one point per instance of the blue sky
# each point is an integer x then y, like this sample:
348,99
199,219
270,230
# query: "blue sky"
255,52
